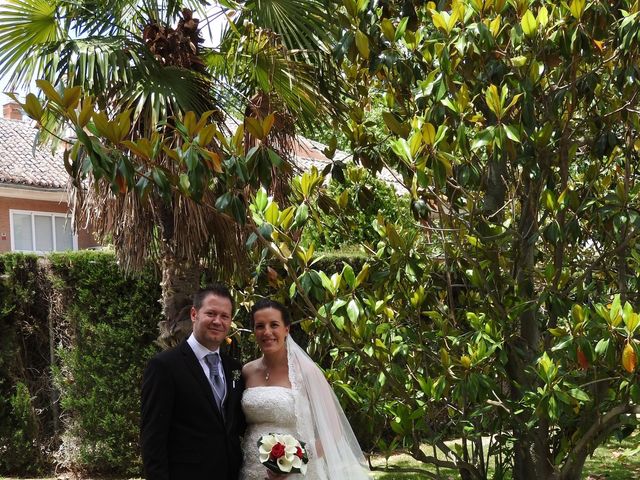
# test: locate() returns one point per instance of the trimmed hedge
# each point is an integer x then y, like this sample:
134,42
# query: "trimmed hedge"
103,325
112,322
25,420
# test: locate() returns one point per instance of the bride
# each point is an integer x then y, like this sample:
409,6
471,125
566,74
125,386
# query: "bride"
287,393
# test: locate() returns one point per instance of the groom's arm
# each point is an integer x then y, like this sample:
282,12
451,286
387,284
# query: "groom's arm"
157,405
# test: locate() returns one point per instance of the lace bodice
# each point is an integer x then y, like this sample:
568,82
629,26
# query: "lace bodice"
269,406
272,410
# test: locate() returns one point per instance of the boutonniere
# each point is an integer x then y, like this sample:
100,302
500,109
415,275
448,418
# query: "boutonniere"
236,374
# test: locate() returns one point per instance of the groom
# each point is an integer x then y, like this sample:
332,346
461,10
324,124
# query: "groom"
191,415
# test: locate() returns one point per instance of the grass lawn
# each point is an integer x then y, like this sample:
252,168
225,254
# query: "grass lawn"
608,463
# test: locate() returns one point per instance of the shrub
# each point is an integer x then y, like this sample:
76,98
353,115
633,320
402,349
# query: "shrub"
362,197
25,422
113,323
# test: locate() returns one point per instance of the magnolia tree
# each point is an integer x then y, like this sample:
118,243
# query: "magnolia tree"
511,321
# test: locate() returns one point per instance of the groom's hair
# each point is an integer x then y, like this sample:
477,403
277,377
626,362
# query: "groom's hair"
216,289
268,303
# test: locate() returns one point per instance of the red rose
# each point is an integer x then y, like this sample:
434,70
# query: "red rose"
299,453
277,451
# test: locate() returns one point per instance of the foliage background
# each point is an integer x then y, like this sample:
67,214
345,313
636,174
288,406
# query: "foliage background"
103,327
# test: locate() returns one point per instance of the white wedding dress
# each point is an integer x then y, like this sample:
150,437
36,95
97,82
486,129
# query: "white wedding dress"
309,411
272,410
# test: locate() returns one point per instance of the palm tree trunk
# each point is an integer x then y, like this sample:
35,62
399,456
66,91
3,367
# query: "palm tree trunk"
179,281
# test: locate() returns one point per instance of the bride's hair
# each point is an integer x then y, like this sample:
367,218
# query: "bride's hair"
268,303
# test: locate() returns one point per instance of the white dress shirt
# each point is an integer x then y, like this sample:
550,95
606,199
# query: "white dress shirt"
201,351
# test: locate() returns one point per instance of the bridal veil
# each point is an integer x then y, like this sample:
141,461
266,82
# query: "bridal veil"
327,429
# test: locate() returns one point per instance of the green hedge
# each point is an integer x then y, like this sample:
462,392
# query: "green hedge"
103,328
113,321
25,420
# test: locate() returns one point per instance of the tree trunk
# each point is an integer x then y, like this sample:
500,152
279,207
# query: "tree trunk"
531,449
179,281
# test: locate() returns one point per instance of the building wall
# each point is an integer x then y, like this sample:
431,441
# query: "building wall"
85,238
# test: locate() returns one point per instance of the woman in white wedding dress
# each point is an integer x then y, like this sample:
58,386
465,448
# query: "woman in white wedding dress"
287,393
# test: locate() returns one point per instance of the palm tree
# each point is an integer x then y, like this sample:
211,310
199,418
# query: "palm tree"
143,61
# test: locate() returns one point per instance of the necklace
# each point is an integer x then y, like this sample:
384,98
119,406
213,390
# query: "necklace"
266,370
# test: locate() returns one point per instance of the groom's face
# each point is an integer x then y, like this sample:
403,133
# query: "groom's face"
211,322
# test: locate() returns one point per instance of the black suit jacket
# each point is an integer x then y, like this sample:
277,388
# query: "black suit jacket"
183,434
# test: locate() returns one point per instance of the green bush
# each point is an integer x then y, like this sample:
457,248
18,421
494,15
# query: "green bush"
25,419
113,323
362,197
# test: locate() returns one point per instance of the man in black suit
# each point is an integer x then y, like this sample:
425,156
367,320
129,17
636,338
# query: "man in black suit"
191,414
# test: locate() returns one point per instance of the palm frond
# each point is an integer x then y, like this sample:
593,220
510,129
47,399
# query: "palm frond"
28,29
302,24
159,93
257,61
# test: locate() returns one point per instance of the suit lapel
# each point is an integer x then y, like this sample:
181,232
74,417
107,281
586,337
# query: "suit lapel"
196,370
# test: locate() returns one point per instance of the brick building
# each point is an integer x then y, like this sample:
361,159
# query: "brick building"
33,196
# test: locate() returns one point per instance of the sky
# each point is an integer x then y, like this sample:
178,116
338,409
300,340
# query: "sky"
211,37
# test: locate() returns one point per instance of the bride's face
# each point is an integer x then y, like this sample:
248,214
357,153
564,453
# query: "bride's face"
270,330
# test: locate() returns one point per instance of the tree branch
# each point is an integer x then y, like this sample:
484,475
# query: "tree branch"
587,443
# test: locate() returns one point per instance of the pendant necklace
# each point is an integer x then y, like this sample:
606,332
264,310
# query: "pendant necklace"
267,373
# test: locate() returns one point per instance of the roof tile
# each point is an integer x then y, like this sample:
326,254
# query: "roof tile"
21,164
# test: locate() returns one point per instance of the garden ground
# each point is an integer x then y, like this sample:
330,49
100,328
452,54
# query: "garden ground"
614,461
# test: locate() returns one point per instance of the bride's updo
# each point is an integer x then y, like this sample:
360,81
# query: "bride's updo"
268,303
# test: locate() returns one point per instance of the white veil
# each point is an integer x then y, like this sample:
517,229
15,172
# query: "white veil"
323,422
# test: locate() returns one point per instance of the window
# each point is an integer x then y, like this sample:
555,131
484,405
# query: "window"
41,232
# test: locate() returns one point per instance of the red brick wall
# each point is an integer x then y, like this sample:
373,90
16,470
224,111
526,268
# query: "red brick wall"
85,238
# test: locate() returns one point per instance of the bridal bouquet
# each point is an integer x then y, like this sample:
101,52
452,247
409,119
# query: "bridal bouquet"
282,453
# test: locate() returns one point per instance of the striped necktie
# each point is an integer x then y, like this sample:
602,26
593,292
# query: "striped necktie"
217,384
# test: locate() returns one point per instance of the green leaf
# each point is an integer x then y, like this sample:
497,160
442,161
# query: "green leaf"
393,124
493,100
616,311
362,42
388,30
402,26
558,332
353,310
401,147
184,182
543,16
512,133
276,160
302,213
529,23
485,137
254,127
326,283
602,346
630,318
553,410
429,133
49,91
550,201
261,199
272,213
579,395
349,275
439,20
577,8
